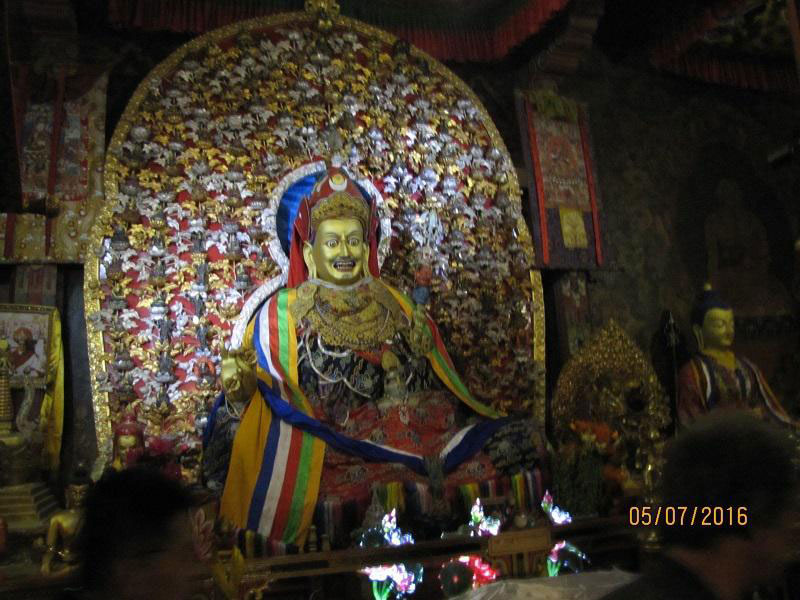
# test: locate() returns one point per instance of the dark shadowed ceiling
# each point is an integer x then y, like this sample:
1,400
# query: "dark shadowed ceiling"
740,43
675,35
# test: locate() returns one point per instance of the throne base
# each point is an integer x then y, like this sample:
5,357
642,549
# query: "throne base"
27,508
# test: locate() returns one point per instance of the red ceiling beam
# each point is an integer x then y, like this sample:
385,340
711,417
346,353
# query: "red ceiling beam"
476,43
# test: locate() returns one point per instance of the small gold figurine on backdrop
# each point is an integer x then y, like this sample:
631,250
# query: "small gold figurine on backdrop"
128,441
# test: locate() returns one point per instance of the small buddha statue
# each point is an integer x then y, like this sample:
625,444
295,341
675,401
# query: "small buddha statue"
165,329
205,372
165,368
159,308
128,441
715,377
158,276
199,305
198,243
63,529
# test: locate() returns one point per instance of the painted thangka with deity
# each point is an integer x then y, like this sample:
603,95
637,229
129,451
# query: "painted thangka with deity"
186,246
565,206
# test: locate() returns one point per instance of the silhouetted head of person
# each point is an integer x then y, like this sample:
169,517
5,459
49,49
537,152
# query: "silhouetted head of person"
136,540
747,467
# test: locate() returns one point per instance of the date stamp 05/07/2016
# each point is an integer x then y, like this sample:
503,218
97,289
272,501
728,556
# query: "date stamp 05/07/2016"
687,516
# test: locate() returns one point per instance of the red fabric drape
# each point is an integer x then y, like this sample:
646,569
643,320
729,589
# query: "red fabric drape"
484,45
537,174
675,43
738,73
673,54
587,162
199,16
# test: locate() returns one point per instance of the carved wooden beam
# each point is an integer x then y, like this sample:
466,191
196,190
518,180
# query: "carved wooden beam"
562,57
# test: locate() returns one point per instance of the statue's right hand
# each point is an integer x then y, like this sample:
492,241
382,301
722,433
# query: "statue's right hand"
238,379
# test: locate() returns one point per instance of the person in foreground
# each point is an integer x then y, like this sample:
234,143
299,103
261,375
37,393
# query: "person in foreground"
727,460
136,541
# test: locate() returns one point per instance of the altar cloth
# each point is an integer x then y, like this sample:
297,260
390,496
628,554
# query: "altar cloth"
581,586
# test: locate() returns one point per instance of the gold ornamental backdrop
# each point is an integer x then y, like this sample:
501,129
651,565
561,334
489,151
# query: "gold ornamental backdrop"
186,243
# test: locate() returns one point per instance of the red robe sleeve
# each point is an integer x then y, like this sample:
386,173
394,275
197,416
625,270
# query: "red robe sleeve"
691,394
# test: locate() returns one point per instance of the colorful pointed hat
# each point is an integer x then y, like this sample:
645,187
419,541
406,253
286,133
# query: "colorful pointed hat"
337,196
334,196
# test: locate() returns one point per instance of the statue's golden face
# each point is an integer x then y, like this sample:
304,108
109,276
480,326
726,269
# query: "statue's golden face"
718,329
339,254
126,442
76,495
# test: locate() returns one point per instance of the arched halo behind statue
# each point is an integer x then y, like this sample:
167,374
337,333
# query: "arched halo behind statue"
341,343
193,167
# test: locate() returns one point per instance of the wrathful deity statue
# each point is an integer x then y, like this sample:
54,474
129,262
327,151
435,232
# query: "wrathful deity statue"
354,386
715,377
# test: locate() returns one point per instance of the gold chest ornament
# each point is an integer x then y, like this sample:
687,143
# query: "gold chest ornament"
360,317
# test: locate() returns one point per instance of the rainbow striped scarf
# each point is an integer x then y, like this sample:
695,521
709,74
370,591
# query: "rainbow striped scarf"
276,464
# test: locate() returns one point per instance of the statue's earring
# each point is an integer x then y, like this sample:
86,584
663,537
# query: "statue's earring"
308,258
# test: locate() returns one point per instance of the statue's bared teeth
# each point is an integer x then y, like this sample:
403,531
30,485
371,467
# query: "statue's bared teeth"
344,265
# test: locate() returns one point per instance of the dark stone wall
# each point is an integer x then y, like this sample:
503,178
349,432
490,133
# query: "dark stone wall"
661,146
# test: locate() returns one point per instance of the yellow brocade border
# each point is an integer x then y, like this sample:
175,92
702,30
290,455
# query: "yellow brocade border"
537,309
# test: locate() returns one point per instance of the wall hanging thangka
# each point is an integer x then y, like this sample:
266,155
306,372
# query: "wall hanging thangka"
565,205
61,166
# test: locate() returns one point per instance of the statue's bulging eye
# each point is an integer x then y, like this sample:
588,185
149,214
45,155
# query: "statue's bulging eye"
332,243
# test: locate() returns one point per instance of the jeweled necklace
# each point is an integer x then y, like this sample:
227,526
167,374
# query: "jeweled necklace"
325,378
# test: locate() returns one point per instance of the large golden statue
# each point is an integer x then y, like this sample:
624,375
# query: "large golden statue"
343,360
715,377
195,240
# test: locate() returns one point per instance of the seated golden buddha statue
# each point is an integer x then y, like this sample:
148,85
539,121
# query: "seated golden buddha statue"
63,530
716,378
352,379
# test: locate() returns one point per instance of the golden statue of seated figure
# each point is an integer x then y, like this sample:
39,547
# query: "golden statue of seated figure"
63,532
342,360
716,378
